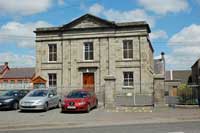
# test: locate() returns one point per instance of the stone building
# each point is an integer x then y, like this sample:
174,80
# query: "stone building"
83,52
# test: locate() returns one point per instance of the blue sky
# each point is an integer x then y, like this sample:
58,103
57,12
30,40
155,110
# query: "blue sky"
175,25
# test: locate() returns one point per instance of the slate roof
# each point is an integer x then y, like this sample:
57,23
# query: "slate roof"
20,73
182,75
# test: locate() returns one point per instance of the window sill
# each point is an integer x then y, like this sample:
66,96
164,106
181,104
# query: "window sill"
89,61
127,87
52,62
126,60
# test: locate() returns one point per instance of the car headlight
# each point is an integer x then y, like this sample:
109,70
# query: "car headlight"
21,102
81,103
38,102
8,100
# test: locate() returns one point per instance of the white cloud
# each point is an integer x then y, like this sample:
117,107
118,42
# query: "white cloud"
20,34
159,34
16,60
24,7
185,47
96,9
127,16
122,16
165,6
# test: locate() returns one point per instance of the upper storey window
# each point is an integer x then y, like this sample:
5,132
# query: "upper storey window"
127,49
52,52
88,51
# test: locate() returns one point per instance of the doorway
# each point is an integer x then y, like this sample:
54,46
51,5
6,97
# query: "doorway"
88,81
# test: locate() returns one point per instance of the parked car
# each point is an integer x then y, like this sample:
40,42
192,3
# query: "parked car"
40,99
10,98
79,100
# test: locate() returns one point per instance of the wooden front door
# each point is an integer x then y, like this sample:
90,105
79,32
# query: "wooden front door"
88,80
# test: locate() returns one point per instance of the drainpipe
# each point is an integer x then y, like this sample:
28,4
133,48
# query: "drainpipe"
140,56
62,60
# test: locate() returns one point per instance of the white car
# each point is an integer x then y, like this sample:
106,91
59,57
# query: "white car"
40,99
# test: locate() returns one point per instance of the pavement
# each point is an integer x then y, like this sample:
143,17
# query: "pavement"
180,127
12,120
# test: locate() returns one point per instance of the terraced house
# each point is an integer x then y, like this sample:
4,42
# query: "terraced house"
83,52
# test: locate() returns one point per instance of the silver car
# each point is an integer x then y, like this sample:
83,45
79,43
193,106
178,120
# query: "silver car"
40,99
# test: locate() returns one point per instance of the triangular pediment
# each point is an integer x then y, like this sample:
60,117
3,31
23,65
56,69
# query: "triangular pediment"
38,79
88,21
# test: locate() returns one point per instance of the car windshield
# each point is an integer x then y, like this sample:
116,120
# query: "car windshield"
77,94
11,93
38,93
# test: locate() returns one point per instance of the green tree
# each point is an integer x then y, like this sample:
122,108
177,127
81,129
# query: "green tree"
186,95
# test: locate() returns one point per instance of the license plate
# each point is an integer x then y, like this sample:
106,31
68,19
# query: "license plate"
71,107
26,104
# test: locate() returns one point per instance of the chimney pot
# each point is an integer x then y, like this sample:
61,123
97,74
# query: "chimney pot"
6,63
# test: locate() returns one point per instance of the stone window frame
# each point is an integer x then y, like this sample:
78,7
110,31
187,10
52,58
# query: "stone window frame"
52,78
127,49
52,55
128,79
89,51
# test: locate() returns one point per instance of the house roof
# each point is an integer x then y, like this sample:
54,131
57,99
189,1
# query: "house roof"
195,63
106,22
109,24
19,73
182,75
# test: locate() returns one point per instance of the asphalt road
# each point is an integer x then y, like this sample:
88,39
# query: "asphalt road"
185,127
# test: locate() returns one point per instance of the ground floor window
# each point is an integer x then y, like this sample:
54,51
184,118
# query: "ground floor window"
52,80
128,79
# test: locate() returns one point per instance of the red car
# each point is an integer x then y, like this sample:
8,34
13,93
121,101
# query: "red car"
79,100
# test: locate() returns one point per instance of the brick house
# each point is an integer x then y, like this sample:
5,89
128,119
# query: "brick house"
83,52
16,78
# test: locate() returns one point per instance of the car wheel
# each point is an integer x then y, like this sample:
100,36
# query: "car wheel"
59,104
46,107
88,108
16,106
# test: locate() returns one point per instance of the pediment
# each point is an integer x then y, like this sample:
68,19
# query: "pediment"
88,21
38,79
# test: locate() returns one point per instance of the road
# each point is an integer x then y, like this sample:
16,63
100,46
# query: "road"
184,127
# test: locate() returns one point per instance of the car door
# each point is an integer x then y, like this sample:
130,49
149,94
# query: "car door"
50,99
90,98
55,98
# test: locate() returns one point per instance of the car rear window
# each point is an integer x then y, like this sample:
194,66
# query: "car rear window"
77,94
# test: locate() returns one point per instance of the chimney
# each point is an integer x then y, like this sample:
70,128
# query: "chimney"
163,61
162,55
6,63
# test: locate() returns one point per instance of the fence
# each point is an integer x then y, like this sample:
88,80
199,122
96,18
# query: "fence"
130,98
16,86
186,95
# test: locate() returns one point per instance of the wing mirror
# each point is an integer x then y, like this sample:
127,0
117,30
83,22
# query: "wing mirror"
50,95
